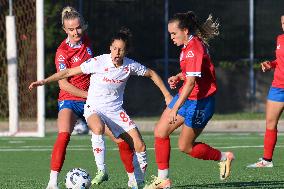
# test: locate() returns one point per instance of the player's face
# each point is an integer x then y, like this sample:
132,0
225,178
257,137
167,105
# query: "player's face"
178,36
117,51
282,22
73,29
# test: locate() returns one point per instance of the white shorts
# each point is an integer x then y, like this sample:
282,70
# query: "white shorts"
117,121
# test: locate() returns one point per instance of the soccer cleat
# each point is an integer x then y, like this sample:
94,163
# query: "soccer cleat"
100,177
159,183
50,186
225,166
261,164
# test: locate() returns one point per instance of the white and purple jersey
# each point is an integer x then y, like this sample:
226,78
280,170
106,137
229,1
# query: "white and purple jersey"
108,82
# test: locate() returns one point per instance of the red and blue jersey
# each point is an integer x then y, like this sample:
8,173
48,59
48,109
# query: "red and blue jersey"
70,56
195,61
278,80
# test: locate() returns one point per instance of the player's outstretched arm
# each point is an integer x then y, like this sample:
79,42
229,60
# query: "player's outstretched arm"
159,82
57,76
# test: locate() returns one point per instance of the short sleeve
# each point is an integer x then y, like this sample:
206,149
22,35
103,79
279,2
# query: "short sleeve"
89,66
137,69
193,59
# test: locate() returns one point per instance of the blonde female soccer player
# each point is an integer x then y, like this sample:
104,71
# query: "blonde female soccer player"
72,52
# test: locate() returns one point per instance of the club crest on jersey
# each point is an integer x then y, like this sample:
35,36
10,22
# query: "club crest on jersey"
189,54
62,66
60,58
89,51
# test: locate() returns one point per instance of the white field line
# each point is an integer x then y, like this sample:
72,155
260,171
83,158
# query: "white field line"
35,148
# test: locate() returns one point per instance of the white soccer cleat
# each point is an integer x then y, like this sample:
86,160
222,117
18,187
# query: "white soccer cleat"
225,166
261,164
159,183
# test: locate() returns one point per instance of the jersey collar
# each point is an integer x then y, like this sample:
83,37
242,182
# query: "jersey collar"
189,39
77,45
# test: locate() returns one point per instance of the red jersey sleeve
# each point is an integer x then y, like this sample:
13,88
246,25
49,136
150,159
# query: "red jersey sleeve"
193,59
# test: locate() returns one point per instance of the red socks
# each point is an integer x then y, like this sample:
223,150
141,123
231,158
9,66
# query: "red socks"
126,156
205,152
59,151
270,139
162,151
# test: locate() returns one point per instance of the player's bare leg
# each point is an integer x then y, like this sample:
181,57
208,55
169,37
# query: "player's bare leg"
65,122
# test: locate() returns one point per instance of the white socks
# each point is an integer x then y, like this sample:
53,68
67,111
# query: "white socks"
163,174
98,145
53,178
223,156
142,160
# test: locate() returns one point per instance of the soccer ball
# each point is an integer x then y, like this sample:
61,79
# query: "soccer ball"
80,127
77,178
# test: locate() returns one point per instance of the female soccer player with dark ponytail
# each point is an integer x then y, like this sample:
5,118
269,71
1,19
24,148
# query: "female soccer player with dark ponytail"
194,105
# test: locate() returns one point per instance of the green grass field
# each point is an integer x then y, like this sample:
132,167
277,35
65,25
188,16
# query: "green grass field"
24,163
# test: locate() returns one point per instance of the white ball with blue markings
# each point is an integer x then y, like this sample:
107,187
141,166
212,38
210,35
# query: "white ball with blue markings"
77,178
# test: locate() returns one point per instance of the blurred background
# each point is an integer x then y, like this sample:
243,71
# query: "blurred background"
242,86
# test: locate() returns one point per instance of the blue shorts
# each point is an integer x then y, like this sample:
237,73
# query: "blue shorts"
196,113
76,106
276,94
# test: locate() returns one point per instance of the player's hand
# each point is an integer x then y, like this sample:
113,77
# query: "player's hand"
168,99
173,81
266,66
173,116
36,84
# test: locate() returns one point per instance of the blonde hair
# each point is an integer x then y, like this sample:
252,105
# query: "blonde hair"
206,31
69,13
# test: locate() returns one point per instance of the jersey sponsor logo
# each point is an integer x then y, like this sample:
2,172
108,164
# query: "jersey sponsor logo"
189,54
278,47
75,59
62,66
60,58
89,51
107,80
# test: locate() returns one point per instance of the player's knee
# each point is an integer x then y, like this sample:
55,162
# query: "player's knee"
98,129
271,123
160,133
184,148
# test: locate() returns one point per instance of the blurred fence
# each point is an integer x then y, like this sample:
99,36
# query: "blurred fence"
229,51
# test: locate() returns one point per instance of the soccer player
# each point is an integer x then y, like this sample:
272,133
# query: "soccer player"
72,52
109,74
274,103
193,106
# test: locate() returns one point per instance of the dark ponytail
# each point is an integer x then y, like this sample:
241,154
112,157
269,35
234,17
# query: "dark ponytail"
206,31
125,35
